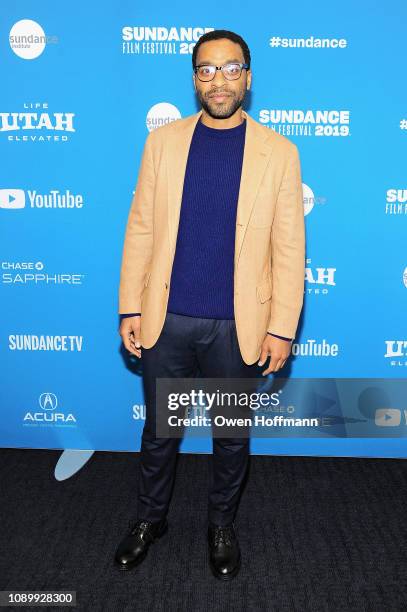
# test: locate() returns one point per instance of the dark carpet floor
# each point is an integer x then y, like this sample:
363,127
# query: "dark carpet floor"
317,534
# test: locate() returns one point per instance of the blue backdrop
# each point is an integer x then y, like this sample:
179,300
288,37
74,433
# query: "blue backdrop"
75,111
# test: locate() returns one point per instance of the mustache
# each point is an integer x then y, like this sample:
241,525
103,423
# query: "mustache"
211,94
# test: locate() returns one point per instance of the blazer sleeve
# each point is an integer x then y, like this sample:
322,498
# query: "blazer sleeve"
288,251
138,240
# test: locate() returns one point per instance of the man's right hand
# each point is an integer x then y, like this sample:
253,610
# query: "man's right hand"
130,333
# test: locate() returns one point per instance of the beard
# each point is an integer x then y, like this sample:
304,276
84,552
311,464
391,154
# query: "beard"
221,110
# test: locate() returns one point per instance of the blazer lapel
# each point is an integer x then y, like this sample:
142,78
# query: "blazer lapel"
256,157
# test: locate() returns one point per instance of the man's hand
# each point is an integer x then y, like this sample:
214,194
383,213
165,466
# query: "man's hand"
130,333
278,349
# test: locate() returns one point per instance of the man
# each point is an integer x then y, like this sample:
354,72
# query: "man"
212,277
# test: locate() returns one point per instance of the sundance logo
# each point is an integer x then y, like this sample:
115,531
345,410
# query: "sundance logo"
298,122
161,114
396,202
28,40
159,40
43,342
138,412
49,416
309,199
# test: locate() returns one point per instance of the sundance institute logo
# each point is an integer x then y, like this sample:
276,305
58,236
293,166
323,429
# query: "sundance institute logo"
28,40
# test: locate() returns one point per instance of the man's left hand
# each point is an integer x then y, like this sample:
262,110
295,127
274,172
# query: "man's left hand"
278,350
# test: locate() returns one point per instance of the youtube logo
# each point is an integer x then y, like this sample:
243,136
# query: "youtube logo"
12,198
387,417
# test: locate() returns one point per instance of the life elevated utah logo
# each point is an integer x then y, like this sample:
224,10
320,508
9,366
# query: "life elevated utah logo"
48,415
396,352
319,279
36,124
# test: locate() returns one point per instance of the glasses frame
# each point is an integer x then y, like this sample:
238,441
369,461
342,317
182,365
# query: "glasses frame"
240,64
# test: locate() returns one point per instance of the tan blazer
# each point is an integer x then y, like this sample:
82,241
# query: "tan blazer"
269,268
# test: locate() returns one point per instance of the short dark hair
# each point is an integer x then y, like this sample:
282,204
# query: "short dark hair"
216,35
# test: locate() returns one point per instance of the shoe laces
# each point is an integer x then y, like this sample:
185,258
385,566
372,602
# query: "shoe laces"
139,527
223,535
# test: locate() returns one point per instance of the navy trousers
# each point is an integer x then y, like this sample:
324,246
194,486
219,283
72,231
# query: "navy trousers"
189,347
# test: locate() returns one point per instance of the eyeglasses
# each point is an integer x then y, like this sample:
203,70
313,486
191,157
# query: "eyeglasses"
231,72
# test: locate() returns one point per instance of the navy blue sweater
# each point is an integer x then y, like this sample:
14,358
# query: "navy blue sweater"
202,278
202,273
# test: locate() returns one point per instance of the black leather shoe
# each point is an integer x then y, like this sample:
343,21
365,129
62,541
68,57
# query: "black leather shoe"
224,551
134,546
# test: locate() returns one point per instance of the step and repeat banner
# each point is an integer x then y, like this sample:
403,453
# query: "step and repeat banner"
82,86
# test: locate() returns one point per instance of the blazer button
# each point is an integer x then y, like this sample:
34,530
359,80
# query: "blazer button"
166,285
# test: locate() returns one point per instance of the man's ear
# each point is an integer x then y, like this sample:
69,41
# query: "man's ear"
249,79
